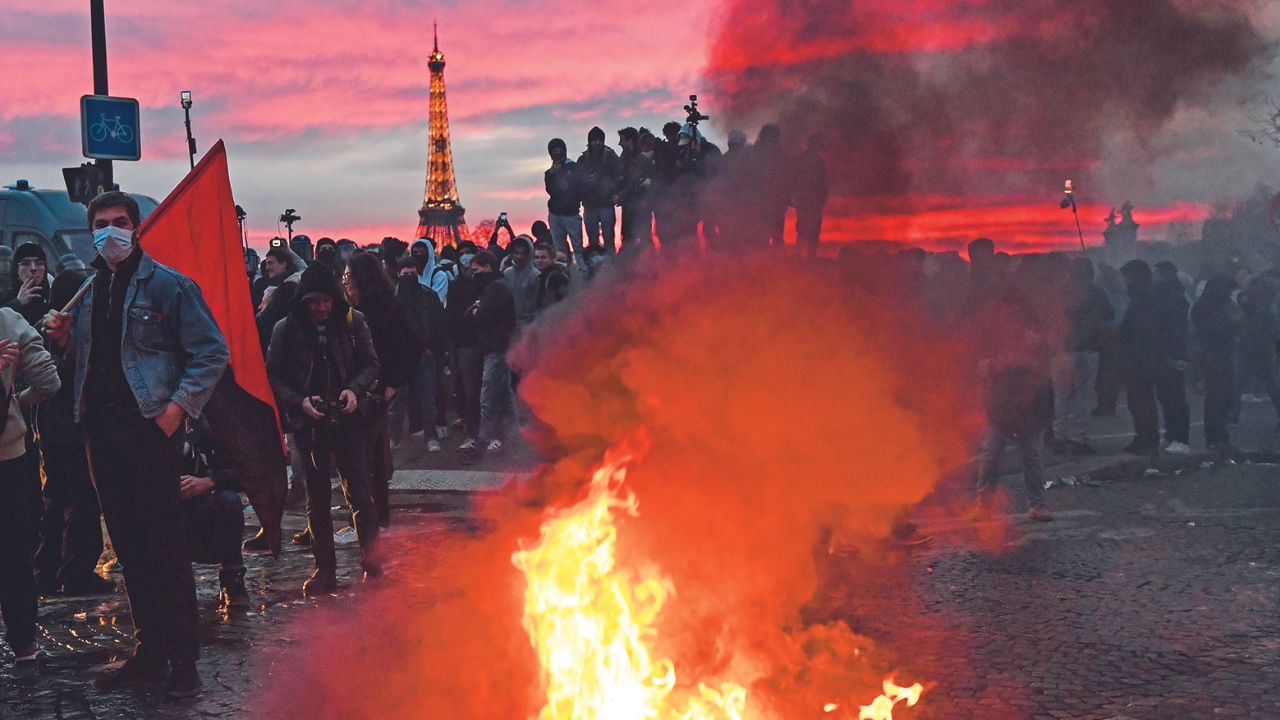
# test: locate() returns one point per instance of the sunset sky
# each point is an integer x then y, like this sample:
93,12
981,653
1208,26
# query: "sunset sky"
323,106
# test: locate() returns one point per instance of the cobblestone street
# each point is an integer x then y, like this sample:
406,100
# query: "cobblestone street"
1151,596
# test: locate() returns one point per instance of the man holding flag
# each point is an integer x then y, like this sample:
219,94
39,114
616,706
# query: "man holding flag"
147,353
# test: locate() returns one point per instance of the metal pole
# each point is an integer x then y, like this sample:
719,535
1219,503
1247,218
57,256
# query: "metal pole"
1079,232
98,29
191,142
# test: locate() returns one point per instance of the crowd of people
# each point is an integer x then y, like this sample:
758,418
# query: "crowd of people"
369,348
683,188
1059,338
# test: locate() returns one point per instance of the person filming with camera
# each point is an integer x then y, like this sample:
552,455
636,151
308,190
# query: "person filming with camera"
320,361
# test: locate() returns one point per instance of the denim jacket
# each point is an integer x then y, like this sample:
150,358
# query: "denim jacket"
171,347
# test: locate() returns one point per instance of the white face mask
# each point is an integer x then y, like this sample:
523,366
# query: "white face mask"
114,244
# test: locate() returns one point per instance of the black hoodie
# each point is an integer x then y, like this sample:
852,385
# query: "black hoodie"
294,348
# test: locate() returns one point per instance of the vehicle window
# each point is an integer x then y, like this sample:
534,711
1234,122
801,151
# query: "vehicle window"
74,249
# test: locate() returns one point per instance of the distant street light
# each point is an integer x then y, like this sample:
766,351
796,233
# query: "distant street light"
191,142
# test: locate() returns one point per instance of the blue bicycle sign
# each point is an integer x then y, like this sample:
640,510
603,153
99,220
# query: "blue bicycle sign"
109,127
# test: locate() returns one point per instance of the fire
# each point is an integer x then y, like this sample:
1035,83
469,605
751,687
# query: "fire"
593,623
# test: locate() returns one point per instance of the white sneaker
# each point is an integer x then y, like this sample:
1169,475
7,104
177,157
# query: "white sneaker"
433,445
416,433
494,446
468,444
345,536
442,432
1178,448
28,655
1251,398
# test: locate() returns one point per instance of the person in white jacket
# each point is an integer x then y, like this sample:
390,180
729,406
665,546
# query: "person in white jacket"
23,361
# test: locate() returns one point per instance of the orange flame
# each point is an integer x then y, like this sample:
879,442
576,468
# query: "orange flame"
593,623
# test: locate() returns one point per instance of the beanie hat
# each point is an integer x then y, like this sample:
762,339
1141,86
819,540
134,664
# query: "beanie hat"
29,250
595,134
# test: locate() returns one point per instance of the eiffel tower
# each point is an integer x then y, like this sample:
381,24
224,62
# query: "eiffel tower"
441,217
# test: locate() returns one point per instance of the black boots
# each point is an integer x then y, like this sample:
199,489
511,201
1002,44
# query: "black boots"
322,582
233,595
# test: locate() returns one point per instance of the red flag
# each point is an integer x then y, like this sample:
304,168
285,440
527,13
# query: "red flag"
195,232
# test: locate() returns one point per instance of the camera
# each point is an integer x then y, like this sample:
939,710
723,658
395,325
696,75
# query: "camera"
290,216
328,406
692,115
502,218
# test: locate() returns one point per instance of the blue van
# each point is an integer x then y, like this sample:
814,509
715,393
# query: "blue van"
50,219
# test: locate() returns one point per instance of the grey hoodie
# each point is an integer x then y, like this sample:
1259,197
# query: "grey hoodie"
523,282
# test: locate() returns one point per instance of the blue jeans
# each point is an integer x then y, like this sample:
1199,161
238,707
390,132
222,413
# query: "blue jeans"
497,399
566,233
1031,446
600,221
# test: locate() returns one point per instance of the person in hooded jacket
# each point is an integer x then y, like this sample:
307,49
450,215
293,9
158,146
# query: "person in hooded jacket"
30,279
1260,334
425,314
475,336
1138,345
399,350
1215,318
1172,326
522,279
320,363
430,274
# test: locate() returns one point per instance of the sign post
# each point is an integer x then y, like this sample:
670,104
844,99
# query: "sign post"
109,128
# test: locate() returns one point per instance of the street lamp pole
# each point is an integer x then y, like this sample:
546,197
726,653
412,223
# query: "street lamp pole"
191,142
98,32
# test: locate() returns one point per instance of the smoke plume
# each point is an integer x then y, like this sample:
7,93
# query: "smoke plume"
782,404
977,98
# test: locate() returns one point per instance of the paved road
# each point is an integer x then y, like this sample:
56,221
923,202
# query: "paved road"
1149,597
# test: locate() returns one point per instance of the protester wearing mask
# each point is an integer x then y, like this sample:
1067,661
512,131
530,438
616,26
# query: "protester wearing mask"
464,299
321,361
327,255
1216,321
426,316
399,350
147,354
23,362
430,274
30,277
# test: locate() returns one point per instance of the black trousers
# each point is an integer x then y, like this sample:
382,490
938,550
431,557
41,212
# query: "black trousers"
381,466
1171,391
17,578
136,471
215,526
71,531
1140,389
1219,394
345,442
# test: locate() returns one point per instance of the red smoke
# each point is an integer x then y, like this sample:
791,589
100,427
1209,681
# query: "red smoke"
975,98
782,402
